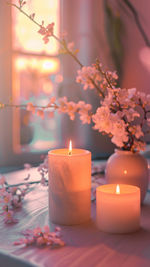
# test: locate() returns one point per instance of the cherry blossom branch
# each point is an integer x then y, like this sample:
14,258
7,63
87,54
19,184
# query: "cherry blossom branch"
118,107
49,32
3,105
41,238
64,45
23,184
10,199
101,92
137,21
63,106
24,13
98,67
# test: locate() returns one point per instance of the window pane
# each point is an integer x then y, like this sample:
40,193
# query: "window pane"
36,77
25,33
36,80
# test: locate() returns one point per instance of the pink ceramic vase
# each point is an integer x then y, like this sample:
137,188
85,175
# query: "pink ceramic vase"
126,167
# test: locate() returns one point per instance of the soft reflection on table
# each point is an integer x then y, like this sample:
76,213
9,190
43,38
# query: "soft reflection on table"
85,244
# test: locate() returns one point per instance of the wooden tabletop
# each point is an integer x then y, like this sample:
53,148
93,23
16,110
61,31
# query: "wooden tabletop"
86,246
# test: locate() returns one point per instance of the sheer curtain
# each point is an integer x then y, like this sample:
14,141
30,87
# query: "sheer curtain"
7,155
5,83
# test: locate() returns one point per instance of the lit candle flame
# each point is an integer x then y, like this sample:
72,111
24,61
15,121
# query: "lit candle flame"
70,148
117,189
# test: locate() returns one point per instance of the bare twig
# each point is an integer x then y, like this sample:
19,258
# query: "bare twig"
61,42
21,184
137,21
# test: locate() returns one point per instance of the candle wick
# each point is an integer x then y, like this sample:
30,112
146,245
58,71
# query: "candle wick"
70,148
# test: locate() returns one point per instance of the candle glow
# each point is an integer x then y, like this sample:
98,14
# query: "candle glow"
125,172
117,189
69,185
118,208
70,148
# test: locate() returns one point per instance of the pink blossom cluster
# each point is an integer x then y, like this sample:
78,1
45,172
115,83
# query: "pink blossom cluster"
123,115
30,107
43,170
40,110
41,237
10,199
86,75
70,107
64,106
47,31
91,76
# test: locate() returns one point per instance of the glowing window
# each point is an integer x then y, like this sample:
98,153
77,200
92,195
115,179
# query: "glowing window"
25,33
35,78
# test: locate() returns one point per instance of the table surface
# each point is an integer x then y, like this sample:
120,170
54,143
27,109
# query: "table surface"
85,244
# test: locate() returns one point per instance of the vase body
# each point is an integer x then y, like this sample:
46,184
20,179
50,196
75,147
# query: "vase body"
126,167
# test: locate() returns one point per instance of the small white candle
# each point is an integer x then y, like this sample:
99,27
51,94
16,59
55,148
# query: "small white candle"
69,186
118,208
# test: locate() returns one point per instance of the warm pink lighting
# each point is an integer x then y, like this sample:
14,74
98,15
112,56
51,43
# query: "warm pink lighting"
50,66
118,208
48,87
117,189
20,63
32,64
59,78
43,65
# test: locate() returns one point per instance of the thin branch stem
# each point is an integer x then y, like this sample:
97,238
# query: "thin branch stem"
105,75
21,184
137,21
25,14
35,106
61,43
68,51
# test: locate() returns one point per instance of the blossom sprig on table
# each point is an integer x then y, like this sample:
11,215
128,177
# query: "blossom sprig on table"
12,195
39,237
43,171
124,114
10,199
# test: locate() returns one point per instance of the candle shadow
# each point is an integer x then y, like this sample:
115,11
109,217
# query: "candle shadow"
92,243
87,235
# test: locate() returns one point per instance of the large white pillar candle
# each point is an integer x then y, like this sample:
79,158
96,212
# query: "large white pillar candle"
69,186
118,208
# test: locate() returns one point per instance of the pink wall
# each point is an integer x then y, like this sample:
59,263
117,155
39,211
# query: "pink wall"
135,72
